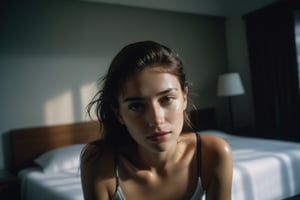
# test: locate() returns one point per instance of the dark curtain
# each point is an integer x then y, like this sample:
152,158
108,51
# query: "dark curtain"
274,70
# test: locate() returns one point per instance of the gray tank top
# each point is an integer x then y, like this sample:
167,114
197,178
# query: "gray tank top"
198,193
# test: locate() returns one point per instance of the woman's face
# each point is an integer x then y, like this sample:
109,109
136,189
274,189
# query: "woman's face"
151,106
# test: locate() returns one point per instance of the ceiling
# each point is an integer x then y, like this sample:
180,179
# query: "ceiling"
225,8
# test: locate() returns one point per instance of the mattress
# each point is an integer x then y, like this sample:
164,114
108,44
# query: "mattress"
263,170
63,185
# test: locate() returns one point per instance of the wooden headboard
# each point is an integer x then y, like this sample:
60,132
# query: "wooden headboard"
29,143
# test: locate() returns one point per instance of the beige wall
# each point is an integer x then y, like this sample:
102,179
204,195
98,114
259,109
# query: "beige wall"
51,55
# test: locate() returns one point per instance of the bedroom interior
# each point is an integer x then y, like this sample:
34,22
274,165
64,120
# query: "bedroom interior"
49,64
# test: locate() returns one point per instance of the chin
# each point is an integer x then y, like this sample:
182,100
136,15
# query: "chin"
162,147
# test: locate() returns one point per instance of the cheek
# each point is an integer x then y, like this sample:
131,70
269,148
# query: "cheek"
176,113
135,128
133,121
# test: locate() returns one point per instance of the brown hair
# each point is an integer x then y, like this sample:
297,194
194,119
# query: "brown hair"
130,60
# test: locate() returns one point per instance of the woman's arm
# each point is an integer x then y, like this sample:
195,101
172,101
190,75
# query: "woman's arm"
217,168
96,173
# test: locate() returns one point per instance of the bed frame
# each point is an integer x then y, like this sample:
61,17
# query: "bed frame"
29,143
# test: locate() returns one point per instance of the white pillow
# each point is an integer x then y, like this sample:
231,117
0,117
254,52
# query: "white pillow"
60,159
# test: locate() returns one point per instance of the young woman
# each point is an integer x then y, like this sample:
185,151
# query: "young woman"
147,149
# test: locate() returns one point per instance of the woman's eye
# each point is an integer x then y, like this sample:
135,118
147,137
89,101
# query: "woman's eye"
138,107
167,100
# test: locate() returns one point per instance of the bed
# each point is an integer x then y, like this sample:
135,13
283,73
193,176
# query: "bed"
47,160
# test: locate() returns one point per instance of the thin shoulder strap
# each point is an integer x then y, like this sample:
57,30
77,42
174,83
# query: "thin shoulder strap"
198,155
116,158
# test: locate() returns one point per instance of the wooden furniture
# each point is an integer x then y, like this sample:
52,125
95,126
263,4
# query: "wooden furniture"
9,186
27,144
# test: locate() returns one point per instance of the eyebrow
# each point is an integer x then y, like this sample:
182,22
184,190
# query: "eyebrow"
143,98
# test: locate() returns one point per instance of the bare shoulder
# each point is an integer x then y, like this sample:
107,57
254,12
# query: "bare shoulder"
210,144
217,165
216,145
97,171
94,151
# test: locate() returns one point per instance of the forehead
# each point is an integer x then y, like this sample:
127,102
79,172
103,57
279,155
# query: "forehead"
149,82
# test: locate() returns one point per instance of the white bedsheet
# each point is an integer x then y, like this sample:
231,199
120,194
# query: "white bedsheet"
263,170
36,185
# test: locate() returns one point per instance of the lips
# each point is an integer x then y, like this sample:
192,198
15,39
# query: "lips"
161,136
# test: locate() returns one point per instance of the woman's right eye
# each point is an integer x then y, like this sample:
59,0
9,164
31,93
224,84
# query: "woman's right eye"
138,107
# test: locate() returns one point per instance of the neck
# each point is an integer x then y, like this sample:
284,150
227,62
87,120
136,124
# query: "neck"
159,160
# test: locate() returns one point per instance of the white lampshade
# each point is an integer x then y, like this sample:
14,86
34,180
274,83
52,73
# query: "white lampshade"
230,84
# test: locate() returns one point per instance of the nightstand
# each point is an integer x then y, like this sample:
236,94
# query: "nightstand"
9,186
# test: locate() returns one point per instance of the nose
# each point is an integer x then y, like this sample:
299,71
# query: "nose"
156,115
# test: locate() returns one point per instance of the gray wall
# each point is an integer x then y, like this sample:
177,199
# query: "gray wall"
51,55
238,61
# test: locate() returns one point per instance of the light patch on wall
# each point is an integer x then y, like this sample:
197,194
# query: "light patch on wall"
87,93
59,110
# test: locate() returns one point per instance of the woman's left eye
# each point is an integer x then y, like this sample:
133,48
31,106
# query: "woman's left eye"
167,100
137,107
